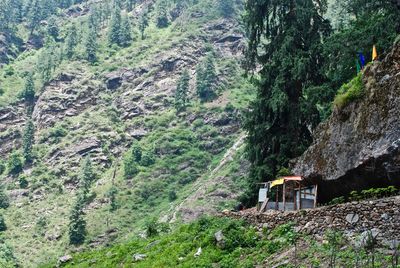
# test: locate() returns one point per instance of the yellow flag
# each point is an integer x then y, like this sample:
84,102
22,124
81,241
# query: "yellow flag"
374,53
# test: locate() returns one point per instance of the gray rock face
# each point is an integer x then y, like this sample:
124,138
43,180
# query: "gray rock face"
360,144
139,257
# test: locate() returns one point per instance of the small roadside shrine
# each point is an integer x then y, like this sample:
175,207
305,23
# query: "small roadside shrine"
287,194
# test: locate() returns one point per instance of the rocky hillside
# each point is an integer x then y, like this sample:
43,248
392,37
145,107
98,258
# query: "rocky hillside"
100,110
359,146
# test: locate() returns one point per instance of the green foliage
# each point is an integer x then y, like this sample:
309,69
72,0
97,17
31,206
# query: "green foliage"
7,258
152,228
87,175
206,79
112,194
337,200
227,8
350,92
182,90
125,38
147,159
15,164
52,28
71,41
172,196
114,31
130,167
278,121
2,167
143,24
27,141
162,17
23,182
91,46
4,200
3,225
77,224
29,91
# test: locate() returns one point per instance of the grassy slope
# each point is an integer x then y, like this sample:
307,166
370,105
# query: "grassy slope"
243,246
146,196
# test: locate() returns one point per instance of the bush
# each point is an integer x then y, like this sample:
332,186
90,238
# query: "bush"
23,182
130,167
349,92
337,200
4,202
147,159
15,163
2,167
3,226
172,196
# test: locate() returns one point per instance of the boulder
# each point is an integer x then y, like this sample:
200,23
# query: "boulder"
113,81
220,239
352,218
64,259
139,257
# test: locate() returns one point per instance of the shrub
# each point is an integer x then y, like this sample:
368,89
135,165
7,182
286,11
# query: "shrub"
15,163
172,196
2,167
4,202
3,226
23,182
130,167
337,200
147,159
349,92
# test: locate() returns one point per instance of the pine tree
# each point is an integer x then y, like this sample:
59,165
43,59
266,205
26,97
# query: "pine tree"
112,194
71,41
206,79
52,28
3,225
114,31
278,128
27,141
91,46
226,7
77,224
29,90
87,175
34,15
162,17
4,200
143,24
182,90
125,37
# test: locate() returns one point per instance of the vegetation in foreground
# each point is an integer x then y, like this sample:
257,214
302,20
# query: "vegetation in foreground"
239,245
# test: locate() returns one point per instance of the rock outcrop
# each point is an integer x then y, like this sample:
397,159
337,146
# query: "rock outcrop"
359,146
381,216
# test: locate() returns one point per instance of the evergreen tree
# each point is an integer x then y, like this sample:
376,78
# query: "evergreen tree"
112,194
34,15
52,28
291,60
27,141
91,46
14,164
182,90
77,224
143,24
226,7
206,79
87,175
4,200
3,225
114,31
71,41
29,90
162,17
2,167
125,37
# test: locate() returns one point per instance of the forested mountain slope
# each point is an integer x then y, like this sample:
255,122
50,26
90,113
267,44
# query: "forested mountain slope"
77,86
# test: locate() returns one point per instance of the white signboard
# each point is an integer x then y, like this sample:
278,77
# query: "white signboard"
262,195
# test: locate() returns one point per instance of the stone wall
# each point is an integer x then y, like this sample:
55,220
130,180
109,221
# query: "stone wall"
381,216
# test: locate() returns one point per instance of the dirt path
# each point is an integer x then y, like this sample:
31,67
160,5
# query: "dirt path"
203,183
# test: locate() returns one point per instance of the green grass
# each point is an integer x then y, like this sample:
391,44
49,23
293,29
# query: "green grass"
350,92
